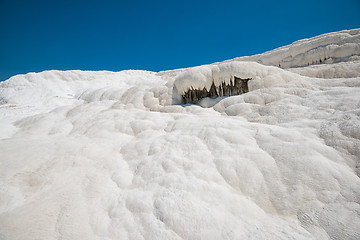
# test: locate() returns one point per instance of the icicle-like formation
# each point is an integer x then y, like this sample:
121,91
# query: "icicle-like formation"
236,86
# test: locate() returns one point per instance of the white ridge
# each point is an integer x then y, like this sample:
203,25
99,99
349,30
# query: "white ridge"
112,155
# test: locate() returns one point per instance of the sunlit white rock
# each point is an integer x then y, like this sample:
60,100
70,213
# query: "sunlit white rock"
103,155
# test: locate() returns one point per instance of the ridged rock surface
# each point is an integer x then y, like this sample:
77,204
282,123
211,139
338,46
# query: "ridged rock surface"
114,155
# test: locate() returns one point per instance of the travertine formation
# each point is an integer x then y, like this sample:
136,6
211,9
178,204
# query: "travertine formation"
236,87
114,155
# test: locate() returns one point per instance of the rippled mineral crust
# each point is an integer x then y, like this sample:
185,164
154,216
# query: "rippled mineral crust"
116,155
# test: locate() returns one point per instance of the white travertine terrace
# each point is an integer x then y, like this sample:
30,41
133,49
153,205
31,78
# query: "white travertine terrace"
112,155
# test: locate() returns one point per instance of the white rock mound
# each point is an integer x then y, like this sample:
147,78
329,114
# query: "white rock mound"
103,155
327,48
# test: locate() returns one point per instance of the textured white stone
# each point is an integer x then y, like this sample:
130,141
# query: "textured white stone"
104,155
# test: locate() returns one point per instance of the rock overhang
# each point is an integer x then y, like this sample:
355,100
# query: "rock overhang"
218,80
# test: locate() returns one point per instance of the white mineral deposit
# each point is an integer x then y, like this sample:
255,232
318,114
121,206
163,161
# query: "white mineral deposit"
118,155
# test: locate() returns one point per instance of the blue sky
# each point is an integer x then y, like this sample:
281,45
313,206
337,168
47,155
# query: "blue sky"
156,35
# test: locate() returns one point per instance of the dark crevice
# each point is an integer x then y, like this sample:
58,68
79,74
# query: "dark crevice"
236,87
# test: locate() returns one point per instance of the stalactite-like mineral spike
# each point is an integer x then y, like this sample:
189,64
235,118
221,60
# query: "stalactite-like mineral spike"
236,86
213,92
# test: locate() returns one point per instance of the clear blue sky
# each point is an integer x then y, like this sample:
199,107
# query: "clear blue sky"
156,35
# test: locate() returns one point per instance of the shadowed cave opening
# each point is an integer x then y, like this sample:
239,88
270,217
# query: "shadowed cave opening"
236,87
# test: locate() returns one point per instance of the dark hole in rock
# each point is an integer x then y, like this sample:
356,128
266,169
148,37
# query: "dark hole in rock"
236,87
